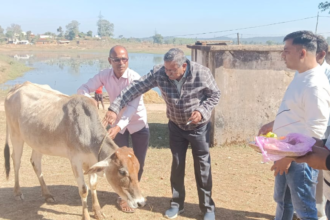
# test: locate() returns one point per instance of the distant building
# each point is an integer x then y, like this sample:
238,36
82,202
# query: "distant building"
45,36
15,41
23,42
63,41
44,41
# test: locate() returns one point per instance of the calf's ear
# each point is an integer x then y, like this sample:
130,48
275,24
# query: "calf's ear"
98,167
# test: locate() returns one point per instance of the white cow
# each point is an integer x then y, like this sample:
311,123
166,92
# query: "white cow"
59,125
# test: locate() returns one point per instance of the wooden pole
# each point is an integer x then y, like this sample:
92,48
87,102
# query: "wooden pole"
237,38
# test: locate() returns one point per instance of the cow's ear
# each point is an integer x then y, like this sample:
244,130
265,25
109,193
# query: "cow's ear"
98,167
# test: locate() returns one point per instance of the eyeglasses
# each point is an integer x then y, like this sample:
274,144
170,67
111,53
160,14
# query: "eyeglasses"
117,60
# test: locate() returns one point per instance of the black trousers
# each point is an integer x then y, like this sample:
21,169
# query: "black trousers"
199,141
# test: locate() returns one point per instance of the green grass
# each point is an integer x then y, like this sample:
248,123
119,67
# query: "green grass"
11,69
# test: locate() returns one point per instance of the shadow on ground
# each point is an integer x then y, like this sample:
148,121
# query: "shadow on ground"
32,206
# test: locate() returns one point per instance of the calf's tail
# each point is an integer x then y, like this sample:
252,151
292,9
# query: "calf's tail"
7,153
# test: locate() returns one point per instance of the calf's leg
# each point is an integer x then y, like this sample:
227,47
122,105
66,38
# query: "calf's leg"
36,163
96,206
83,189
18,143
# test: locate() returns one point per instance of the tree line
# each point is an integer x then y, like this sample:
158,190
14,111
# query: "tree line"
14,31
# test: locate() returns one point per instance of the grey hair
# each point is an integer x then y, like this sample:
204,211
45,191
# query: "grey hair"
175,55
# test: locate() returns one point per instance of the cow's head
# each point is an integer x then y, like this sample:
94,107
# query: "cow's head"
121,170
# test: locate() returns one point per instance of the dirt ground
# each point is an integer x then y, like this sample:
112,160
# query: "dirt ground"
242,185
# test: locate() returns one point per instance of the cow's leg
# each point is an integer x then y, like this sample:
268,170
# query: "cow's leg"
96,206
18,143
83,189
36,163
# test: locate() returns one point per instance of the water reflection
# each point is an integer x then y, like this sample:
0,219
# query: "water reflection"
68,72
157,60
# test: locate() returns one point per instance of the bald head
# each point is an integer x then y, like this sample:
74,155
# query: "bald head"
117,50
118,58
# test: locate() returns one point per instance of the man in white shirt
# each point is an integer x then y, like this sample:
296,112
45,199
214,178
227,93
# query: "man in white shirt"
321,52
305,109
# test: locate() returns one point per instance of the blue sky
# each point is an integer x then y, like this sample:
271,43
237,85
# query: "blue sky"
133,18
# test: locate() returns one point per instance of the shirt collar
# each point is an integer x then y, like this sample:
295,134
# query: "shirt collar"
125,75
324,63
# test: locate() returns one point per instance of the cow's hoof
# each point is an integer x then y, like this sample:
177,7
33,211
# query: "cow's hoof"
19,197
99,215
50,199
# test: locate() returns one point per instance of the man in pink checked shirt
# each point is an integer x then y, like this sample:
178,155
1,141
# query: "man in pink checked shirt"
132,120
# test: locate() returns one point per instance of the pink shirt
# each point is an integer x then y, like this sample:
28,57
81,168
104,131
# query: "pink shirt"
134,115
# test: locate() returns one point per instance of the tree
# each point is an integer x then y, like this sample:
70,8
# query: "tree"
89,33
28,35
59,29
120,36
15,29
324,6
173,40
158,39
72,30
49,33
1,34
104,28
9,34
269,42
81,34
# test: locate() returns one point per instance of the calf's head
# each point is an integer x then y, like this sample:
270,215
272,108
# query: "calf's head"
121,171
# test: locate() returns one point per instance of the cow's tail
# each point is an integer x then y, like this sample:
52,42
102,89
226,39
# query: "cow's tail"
7,153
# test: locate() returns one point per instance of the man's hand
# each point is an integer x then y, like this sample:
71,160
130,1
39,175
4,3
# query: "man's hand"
319,142
315,159
266,128
281,166
113,132
109,118
195,117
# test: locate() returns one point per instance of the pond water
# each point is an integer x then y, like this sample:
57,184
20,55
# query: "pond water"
66,73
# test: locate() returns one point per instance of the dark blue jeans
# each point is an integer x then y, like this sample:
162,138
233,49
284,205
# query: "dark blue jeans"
199,141
140,142
296,191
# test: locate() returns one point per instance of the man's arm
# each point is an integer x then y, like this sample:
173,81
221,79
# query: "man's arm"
136,89
319,158
92,85
212,93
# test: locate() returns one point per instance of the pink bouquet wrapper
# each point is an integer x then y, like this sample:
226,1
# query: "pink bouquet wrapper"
292,145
